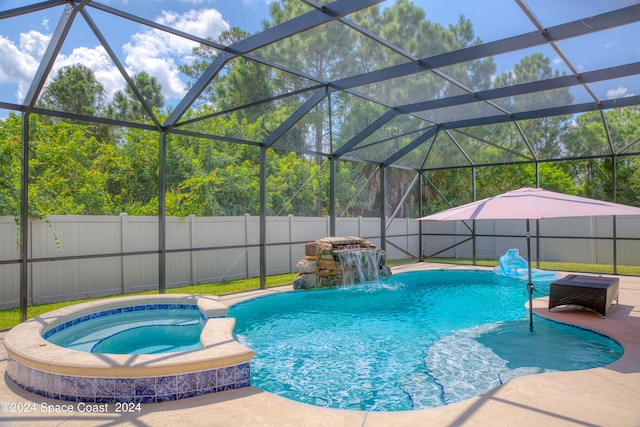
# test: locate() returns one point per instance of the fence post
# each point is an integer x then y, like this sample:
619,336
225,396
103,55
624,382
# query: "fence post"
290,240
29,269
124,220
192,240
247,220
406,237
593,243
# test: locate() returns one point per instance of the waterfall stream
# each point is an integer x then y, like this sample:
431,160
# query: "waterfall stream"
359,266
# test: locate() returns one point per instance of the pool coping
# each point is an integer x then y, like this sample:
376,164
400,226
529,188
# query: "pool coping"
605,396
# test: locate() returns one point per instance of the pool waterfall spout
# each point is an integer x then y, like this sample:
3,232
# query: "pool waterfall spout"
336,261
359,266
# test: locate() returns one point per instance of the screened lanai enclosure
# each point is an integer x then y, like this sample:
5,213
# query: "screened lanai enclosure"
155,144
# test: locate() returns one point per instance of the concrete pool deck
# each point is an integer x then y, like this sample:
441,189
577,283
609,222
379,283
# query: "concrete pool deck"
606,396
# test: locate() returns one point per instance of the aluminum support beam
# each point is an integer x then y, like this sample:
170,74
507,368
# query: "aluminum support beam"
459,147
333,166
365,133
404,198
614,181
474,195
329,12
411,146
24,220
383,208
563,82
546,112
295,117
263,217
199,86
420,214
31,8
162,213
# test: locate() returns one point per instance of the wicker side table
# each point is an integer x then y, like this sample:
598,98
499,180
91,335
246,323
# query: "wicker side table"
595,293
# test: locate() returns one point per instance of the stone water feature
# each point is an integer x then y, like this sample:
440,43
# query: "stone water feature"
335,261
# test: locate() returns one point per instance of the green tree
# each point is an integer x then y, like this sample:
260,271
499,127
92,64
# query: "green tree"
631,193
10,166
624,128
134,184
453,184
127,107
294,183
74,89
64,179
205,177
588,137
545,134
69,171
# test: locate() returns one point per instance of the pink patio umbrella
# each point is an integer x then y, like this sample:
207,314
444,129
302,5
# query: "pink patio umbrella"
532,203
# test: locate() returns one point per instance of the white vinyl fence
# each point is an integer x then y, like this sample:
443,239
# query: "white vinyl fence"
193,258
583,240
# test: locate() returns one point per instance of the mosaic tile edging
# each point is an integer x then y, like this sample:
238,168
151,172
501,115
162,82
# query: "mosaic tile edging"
140,389
126,309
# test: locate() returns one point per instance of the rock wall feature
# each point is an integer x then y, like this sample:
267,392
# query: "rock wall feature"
336,261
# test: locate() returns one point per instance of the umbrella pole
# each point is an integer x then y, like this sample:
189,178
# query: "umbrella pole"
530,284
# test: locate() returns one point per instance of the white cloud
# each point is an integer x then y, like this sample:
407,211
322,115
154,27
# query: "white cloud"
34,43
19,63
158,53
619,92
153,51
202,23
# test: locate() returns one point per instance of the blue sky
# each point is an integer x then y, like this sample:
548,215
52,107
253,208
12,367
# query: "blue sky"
23,40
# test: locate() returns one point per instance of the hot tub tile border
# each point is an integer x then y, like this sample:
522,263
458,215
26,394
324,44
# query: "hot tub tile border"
121,389
187,383
126,309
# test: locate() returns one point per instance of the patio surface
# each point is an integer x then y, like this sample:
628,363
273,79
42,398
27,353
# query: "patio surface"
607,396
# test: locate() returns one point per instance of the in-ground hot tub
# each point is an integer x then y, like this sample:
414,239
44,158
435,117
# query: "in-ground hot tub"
47,369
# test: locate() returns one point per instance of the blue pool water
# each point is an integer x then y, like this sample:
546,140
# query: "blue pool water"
416,340
142,331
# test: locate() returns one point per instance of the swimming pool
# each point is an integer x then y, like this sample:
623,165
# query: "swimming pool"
416,340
